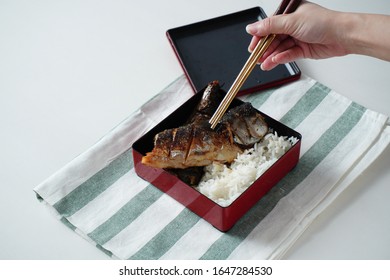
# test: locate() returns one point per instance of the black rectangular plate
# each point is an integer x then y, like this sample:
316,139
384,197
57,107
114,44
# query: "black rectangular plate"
217,49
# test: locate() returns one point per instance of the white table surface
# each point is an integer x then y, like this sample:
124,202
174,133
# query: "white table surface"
72,70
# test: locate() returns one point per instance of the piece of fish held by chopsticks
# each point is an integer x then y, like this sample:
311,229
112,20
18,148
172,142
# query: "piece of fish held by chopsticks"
247,125
196,144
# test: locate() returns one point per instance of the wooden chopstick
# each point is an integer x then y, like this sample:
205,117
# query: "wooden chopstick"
285,7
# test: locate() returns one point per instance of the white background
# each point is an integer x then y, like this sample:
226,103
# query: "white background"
72,70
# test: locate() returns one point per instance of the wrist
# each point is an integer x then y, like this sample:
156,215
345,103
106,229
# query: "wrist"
366,34
346,26
352,29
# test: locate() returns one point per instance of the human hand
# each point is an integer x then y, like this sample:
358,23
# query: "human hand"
310,32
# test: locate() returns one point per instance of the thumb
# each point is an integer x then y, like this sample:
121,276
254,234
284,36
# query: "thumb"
271,25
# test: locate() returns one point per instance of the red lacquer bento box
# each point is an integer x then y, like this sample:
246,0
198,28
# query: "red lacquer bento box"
223,218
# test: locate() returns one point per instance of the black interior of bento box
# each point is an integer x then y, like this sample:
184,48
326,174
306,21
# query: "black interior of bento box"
179,117
217,49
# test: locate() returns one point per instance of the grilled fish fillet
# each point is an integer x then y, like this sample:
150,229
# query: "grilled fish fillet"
196,144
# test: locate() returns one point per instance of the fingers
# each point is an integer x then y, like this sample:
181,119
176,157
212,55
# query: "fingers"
285,51
276,46
259,29
283,57
284,48
253,43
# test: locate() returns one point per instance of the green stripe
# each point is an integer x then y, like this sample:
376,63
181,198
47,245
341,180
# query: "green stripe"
68,224
126,215
94,186
225,245
108,253
40,198
305,105
167,237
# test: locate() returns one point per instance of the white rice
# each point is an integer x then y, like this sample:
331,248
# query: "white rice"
223,184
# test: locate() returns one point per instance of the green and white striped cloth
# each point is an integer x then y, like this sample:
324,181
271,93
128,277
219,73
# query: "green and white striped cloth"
99,196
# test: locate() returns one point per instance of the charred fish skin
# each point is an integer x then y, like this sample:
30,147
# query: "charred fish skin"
211,98
170,148
203,147
180,144
159,157
208,146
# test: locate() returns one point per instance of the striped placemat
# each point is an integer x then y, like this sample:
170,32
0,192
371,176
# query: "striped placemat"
99,196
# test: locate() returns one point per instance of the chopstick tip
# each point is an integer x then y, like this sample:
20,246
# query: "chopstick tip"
213,124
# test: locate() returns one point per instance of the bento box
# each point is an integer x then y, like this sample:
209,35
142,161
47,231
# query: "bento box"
221,217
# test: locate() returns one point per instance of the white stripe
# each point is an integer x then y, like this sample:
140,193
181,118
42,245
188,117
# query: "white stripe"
108,202
86,237
144,227
284,98
291,209
372,154
194,243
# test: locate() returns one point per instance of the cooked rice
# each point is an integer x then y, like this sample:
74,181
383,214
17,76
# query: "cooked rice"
223,184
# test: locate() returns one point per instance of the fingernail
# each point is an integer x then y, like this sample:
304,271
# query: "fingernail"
250,28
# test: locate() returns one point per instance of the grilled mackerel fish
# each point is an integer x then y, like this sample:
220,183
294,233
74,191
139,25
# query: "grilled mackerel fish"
195,144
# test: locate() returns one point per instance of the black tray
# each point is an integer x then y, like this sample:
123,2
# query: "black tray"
217,49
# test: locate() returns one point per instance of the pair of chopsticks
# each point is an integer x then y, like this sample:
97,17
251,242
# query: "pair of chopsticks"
285,7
